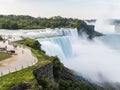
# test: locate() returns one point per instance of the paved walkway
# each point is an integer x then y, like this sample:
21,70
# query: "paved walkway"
22,59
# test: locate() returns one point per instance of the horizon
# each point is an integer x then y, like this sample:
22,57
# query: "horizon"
81,9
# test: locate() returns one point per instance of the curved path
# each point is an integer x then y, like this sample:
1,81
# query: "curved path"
22,59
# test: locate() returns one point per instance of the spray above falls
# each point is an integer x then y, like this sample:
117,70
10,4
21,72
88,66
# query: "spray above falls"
103,26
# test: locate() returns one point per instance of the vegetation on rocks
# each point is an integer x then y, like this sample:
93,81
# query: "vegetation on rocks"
31,43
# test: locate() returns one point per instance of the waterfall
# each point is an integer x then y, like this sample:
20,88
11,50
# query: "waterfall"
60,46
72,33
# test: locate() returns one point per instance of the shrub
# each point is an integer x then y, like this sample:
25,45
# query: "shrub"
1,38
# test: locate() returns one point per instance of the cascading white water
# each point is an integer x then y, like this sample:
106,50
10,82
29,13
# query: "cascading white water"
72,33
60,46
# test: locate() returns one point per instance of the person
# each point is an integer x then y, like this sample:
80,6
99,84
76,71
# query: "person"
5,47
22,51
3,41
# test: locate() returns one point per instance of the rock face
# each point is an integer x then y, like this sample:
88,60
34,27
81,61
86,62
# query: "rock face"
89,30
45,71
21,86
67,74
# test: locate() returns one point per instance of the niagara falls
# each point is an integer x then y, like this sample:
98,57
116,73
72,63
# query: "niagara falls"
59,45
97,60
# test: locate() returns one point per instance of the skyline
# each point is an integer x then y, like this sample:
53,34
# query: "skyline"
83,9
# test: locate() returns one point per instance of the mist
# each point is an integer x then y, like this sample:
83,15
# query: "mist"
98,60
102,25
92,59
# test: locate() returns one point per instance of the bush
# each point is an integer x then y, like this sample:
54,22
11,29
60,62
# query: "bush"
44,82
57,68
1,38
31,43
74,85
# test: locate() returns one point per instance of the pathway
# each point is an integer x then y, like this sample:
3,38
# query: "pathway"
22,59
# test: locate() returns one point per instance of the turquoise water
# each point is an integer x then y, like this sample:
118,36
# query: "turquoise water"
111,40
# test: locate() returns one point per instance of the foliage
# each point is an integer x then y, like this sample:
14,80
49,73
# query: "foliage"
4,56
74,85
45,83
28,22
1,38
57,68
31,43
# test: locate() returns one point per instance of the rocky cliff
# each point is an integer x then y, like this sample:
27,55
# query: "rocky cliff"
45,71
89,30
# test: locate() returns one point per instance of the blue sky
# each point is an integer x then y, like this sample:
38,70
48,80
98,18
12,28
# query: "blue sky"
66,8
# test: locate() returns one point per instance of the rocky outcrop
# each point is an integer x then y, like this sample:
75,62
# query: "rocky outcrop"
89,30
45,71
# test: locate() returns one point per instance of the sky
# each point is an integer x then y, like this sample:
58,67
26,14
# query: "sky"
83,9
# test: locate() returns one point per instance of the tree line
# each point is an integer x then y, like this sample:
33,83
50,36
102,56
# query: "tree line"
29,22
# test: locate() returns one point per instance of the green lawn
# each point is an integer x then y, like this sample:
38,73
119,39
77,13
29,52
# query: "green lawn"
4,56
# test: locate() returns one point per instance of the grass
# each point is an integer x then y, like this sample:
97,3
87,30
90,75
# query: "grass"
25,74
4,56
